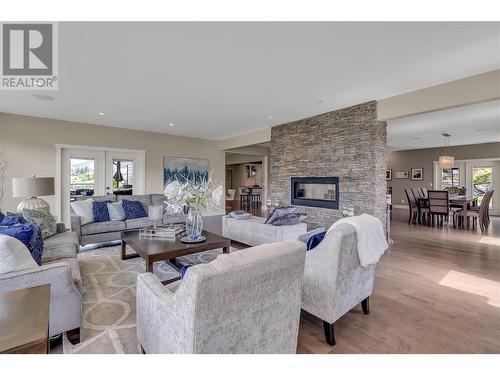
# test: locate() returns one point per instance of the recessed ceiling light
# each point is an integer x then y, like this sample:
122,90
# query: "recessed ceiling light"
171,124
43,97
101,113
270,116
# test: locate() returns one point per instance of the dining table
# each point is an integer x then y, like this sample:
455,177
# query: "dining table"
465,201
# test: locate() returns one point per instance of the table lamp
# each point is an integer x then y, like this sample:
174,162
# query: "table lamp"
32,187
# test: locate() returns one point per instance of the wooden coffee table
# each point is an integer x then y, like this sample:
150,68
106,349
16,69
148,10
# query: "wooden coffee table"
160,249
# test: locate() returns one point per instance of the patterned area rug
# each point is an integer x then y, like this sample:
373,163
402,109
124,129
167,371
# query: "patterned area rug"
109,318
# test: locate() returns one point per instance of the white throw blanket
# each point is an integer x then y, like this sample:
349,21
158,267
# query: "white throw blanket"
371,238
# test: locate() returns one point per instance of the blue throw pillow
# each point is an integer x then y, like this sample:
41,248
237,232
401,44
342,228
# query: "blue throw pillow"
1,216
315,240
100,211
12,219
133,209
30,235
184,270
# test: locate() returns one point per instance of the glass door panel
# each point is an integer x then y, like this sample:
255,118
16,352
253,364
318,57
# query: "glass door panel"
482,182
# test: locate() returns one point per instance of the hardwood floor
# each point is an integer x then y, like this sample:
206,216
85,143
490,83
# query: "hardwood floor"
437,290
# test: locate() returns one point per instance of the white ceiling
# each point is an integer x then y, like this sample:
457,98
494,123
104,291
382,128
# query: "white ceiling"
217,80
477,123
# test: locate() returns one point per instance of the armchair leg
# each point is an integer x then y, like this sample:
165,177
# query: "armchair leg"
329,333
73,336
142,349
365,305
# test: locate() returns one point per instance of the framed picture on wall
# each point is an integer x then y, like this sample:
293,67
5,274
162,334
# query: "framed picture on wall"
388,174
401,175
417,174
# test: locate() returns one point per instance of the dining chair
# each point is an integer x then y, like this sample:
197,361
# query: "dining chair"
244,195
255,196
424,192
423,210
439,206
412,206
482,215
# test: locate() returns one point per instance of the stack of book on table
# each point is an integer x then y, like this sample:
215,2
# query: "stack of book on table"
163,231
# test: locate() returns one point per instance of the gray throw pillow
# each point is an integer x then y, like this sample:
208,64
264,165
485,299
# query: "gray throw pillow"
42,218
279,212
290,219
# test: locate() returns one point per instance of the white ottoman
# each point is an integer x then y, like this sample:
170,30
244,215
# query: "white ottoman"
254,232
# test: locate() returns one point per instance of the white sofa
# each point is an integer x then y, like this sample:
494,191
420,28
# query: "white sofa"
334,280
243,302
254,232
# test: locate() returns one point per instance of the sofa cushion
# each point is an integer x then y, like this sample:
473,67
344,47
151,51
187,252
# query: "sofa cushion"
62,238
83,209
138,223
158,200
116,211
144,199
134,209
43,219
59,252
174,219
100,211
103,227
30,235
14,255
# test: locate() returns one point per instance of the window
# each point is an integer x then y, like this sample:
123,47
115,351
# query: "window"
482,182
450,178
82,177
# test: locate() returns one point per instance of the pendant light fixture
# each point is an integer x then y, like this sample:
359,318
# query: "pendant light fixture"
446,161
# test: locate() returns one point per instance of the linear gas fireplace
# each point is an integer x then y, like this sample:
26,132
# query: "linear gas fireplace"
315,192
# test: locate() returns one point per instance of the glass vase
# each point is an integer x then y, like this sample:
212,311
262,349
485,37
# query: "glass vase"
194,223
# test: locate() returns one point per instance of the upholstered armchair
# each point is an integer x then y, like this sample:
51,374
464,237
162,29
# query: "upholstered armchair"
334,281
247,301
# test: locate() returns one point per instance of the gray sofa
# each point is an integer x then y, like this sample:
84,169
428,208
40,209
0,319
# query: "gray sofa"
60,269
111,230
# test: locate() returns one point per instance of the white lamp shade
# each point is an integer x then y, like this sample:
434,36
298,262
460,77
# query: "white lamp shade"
32,186
446,162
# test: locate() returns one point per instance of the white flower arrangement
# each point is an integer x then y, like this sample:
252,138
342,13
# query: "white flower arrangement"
207,194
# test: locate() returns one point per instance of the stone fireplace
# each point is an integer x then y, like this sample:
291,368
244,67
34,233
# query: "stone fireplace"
349,144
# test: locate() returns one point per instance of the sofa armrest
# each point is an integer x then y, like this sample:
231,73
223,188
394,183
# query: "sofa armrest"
160,318
76,226
65,298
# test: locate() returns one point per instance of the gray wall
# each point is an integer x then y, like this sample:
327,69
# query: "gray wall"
349,143
423,158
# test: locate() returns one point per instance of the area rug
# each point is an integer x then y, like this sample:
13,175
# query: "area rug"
109,313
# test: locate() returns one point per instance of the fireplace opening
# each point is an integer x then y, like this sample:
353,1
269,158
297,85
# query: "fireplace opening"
315,192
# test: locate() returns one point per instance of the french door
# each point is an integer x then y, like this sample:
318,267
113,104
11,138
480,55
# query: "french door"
87,171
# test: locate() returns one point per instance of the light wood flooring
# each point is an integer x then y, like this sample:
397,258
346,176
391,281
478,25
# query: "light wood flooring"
437,290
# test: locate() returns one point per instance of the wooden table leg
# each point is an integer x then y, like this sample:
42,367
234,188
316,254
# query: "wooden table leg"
464,210
226,249
149,266
124,250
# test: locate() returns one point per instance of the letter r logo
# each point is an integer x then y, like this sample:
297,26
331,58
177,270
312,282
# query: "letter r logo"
27,49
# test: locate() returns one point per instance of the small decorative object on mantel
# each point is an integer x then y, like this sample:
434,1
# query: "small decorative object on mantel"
206,193
417,174
401,175
388,174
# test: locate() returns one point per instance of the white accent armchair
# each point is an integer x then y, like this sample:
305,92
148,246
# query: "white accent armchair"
334,281
243,302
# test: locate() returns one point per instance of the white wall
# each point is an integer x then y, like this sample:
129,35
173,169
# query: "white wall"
30,142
